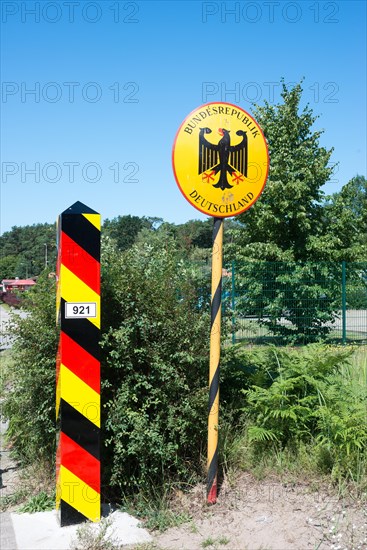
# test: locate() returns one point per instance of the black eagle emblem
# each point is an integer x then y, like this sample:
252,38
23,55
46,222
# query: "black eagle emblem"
224,157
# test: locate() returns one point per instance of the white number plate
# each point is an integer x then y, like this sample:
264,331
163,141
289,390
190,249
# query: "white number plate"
80,310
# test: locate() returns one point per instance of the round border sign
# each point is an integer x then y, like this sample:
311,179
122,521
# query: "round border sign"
220,159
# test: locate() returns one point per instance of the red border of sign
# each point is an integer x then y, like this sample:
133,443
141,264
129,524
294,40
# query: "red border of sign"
174,146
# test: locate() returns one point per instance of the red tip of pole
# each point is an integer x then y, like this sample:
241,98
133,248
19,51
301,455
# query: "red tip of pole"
212,495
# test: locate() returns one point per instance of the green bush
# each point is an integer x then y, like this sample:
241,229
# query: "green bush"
155,348
155,336
30,400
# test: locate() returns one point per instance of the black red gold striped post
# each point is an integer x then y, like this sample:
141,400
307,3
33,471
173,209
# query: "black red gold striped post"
78,366
215,330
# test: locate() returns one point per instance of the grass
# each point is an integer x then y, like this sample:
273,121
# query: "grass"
220,541
146,546
194,528
355,376
240,455
35,491
208,542
41,502
156,511
16,498
95,537
357,372
163,518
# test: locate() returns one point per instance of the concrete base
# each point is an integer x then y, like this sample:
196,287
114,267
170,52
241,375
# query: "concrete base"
41,531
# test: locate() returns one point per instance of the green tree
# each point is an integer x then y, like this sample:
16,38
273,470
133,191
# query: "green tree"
296,301
345,220
284,225
125,229
195,233
33,246
289,212
7,267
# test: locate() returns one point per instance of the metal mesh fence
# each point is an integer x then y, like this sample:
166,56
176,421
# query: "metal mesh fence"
296,303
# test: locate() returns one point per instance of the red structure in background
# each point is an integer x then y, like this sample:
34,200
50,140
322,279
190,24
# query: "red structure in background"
17,285
11,290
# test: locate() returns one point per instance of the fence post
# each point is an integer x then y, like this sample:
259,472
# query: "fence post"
233,303
344,304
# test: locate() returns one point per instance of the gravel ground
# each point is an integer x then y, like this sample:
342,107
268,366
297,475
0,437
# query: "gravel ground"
271,515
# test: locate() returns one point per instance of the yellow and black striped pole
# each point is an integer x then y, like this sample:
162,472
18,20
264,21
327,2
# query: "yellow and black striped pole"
202,141
215,331
78,366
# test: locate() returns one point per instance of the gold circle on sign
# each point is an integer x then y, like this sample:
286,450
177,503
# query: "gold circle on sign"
220,159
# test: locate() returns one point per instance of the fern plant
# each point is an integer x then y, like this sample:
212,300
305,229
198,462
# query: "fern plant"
286,407
311,401
342,427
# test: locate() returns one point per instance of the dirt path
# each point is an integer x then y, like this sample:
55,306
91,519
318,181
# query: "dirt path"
5,339
9,480
269,515
8,469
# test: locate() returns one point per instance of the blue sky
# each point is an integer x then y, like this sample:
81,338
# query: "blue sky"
113,80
